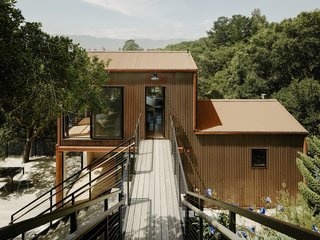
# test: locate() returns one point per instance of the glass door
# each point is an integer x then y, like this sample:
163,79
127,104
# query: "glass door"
154,112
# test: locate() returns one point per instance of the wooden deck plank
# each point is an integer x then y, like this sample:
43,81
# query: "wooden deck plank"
157,196
134,196
154,212
163,186
175,197
170,213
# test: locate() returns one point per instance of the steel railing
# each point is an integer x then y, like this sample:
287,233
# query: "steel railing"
46,202
115,175
110,214
196,223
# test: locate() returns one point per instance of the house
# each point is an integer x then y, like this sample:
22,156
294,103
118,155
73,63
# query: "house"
243,149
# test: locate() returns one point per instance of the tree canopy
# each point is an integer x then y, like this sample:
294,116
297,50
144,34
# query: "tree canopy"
42,76
131,45
244,57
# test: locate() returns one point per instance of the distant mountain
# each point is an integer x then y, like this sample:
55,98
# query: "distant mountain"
110,44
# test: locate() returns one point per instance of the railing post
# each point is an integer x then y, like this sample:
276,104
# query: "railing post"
186,222
200,202
90,183
120,216
128,176
73,218
138,137
22,236
106,231
106,206
232,221
51,205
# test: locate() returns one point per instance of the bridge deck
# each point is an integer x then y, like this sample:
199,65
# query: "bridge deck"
154,211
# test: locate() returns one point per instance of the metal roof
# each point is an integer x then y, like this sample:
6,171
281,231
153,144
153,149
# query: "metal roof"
139,61
246,116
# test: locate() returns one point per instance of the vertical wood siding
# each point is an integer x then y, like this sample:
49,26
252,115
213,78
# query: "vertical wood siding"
221,162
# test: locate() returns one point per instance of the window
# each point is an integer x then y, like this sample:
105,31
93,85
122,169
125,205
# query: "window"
259,157
109,123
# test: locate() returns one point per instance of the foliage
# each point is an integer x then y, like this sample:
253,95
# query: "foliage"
302,99
244,57
131,45
309,166
42,76
293,210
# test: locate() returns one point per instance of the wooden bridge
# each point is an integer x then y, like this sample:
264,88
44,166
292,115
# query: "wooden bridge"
154,211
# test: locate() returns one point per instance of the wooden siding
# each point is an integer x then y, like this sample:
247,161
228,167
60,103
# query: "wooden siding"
224,164
221,162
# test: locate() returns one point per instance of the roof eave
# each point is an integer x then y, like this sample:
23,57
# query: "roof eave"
199,132
149,70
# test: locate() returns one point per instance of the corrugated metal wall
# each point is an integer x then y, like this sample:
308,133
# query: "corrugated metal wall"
223,162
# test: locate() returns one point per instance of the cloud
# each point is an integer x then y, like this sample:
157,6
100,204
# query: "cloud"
166,29
126,7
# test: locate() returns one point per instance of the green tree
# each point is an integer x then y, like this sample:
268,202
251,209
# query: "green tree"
42,77
131,45
302,99
309,166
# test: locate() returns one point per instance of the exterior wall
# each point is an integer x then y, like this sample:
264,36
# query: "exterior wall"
224,164
178,88
221,162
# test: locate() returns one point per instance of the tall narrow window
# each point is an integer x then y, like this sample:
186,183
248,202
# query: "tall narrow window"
109,123
259,157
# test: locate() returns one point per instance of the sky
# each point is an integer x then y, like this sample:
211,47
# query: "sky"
149,19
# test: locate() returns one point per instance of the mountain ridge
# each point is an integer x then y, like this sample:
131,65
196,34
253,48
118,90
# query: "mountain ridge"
112,44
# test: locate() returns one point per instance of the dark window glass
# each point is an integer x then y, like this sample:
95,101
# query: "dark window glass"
259,157
109,123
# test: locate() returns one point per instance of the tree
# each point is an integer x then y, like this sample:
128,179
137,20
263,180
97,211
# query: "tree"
309,166
42,77
131,45
302,99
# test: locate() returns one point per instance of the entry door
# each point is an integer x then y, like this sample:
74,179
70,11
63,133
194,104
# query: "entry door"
154,106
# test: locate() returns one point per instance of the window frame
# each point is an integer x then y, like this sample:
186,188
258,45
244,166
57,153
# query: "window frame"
93,115
266,159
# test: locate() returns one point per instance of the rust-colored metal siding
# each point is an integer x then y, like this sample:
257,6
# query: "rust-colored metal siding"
221,162
224,164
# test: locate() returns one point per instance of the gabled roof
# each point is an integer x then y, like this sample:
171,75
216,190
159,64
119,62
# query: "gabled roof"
146,61
265,116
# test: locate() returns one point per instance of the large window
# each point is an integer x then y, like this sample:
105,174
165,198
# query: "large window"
109,123
259,157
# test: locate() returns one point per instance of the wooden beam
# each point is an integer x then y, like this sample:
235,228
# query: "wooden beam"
59,174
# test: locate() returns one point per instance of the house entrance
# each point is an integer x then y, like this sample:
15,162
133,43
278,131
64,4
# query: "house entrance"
154,112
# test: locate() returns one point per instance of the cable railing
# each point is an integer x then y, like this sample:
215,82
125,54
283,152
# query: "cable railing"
116,165
111,219
199,225
180,177
46,202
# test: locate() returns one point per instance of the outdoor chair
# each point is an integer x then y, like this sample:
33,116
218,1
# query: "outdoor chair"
22,178
3,185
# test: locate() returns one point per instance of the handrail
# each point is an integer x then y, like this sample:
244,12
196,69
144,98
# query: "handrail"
66,186
85,230
286,228
118,159
177,159
72,195
136,134
15,229
225,231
